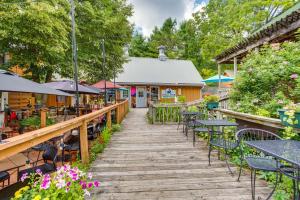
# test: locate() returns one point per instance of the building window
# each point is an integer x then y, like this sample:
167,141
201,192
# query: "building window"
154,94
125,94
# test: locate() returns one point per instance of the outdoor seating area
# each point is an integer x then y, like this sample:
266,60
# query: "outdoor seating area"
259,150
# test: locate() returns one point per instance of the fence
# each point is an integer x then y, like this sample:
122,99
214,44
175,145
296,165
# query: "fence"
25,141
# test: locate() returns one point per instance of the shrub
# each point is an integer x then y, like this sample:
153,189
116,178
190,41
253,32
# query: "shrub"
211,98
181,99
115,128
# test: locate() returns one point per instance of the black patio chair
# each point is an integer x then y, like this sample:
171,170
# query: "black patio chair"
256,160
219,140
49,157
4,176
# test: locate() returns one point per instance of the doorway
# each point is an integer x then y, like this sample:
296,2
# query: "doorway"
141,97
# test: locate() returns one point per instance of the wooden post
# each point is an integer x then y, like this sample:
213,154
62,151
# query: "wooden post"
44,117
108,119
219,74
84,146
118,110
235,67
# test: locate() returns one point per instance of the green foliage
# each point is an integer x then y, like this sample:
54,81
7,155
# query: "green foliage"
193,109
167,114
268,80
37,34
35,122
211,98
181,99
116,128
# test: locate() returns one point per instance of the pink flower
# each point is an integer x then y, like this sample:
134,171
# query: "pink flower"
90,176
39,171
24,176
90,184
83,185
294,76
96,183
46,182
68,184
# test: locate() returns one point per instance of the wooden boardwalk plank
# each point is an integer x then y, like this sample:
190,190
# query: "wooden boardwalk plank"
146,162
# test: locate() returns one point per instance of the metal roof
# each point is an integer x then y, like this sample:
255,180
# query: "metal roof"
152,71
69,86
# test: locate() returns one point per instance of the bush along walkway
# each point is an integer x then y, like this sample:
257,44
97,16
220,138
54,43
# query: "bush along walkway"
146,161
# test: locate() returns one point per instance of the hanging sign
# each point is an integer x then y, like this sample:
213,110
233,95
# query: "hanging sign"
168,93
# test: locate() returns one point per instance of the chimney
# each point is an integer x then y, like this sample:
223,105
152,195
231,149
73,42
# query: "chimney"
162,55
126,50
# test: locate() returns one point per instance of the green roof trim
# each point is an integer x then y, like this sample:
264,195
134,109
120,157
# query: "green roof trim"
279,17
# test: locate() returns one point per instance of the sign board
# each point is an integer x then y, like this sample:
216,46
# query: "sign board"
168,93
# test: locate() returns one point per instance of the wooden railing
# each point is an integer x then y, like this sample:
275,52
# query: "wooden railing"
25,141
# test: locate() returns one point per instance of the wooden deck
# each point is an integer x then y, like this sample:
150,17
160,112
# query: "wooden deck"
158,162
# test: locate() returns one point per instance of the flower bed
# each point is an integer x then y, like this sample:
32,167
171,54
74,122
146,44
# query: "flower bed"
66,183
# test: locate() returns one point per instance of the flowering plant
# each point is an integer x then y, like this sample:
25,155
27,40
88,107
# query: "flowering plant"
291,120
65,183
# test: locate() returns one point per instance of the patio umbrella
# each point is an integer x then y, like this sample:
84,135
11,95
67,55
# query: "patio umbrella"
215,79
10,82
69,86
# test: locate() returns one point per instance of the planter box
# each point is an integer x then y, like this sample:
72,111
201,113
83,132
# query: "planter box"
284,116
212,105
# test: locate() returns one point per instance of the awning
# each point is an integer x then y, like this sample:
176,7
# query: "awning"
69,86
215,79
10,82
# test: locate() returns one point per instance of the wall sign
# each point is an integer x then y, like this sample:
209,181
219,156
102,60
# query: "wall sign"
168,93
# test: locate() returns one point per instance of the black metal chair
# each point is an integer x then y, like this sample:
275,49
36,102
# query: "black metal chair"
256,160
218,139
4,176
50,154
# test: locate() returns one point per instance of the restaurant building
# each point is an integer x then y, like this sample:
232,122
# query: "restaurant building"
159,80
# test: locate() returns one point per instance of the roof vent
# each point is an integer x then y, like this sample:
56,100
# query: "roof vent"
162,55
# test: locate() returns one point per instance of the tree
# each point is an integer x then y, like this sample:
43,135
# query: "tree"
36,34
139,46
107,21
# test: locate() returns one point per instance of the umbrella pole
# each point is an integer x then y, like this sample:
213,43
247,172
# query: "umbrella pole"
74,49
103,56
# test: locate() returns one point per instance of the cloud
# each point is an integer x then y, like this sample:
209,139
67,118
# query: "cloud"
151,13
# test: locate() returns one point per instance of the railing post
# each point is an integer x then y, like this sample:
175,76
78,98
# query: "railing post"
108,119
44,117
84,146
118,110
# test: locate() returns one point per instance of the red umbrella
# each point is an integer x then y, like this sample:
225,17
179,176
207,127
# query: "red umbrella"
109,85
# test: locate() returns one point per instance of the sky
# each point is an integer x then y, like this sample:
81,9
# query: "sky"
151,13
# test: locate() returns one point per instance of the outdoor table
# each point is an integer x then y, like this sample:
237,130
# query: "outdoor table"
187,115
286,150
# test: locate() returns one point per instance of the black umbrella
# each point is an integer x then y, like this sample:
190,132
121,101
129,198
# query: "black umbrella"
10,82
69,86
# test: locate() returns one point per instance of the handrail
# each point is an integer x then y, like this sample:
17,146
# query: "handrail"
22,142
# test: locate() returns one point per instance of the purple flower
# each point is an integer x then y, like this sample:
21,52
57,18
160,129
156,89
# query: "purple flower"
294,76
83,185
24,176
39,171
68,184
46,182
96,183
90,184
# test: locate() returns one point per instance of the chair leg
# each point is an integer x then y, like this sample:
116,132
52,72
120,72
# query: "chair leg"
194,138
230,171
240,171
209,152
275,186
251,177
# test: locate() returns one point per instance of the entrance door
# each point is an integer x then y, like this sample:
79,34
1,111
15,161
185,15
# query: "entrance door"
141,97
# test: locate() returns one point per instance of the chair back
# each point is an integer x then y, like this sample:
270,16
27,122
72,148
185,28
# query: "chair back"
50,154
250,134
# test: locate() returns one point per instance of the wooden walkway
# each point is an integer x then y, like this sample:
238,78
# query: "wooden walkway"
158,162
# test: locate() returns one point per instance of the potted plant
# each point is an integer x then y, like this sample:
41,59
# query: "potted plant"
212,102
290,115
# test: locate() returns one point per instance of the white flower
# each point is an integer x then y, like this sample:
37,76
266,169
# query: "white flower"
86,193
